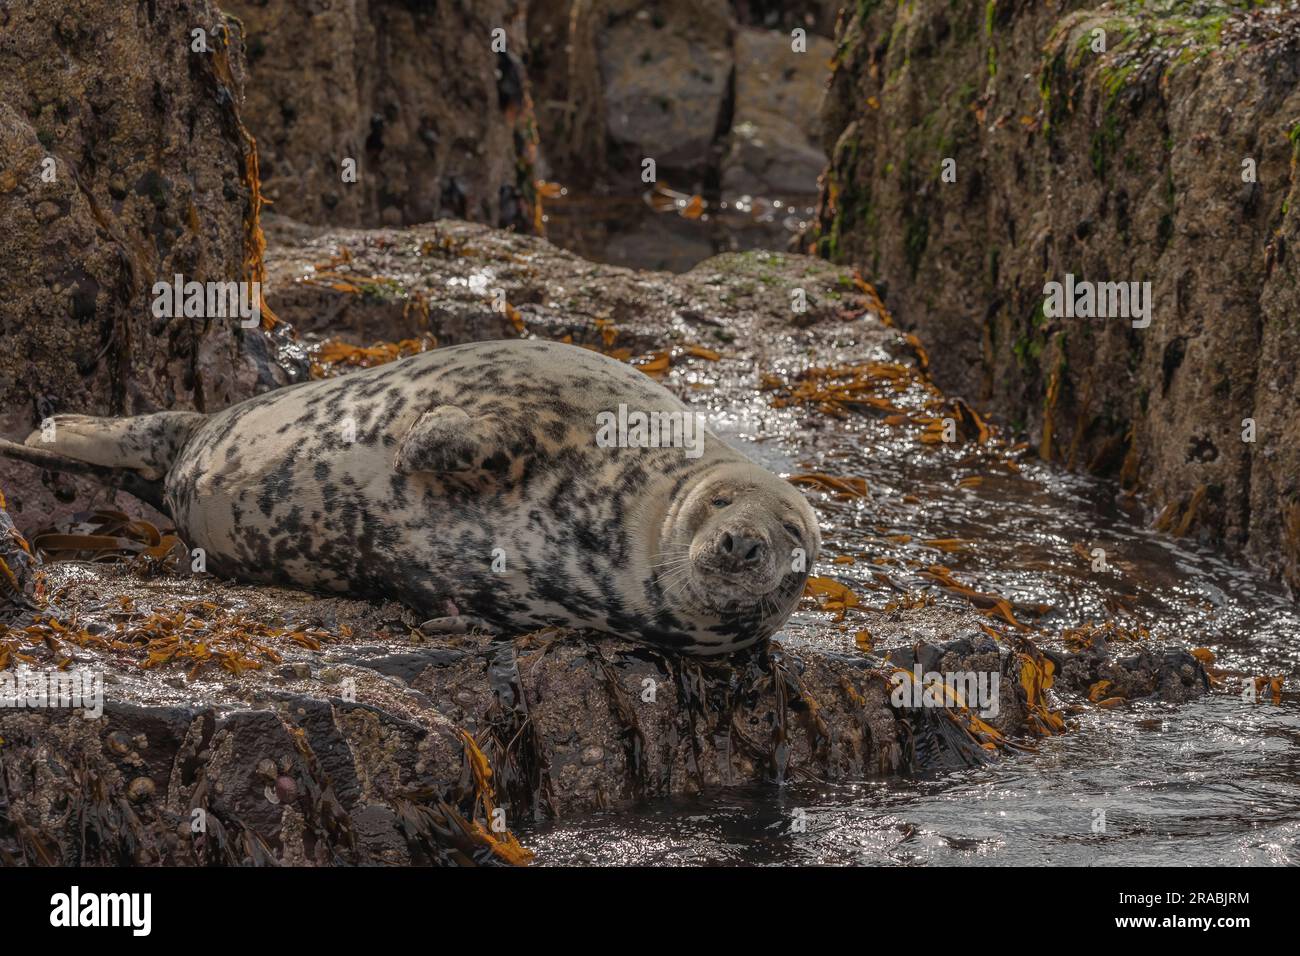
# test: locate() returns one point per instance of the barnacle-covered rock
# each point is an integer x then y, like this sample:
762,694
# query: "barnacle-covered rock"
123,162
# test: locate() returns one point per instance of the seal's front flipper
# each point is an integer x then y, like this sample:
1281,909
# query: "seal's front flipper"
446,440
457,624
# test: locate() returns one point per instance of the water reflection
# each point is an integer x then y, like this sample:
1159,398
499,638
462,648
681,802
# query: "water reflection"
1210,783
669,230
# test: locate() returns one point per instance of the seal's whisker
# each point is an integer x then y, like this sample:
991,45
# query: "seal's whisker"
676,581
673,581
673,560
672,564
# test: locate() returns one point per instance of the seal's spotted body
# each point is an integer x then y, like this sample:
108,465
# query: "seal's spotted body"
414,479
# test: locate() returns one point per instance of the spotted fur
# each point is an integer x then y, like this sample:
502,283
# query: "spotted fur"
409,479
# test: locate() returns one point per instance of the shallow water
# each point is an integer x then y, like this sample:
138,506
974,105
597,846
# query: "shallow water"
650,231
1216,781
1216,784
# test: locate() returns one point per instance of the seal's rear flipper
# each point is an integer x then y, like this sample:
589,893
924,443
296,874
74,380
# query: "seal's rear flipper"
150,492
447,440
133,454
145,444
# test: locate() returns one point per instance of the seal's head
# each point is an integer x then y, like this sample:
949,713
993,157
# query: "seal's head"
739,543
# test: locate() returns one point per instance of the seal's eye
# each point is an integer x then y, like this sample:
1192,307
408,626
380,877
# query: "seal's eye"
721,502
793,531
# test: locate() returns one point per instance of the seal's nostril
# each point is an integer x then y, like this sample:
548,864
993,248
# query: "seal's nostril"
742,550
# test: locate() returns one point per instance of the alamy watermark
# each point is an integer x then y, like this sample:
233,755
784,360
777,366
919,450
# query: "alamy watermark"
208,300
75,688
977,690
77,909
630,428
1081,299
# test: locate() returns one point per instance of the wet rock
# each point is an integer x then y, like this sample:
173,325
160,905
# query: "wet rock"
381,759
814,16
319,776
567,723
414,95
122,163
619,81
22,582
1169,674
1135,165
377,832
442,280
775,147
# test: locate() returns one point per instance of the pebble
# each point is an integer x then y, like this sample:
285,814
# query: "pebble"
140,789
286,789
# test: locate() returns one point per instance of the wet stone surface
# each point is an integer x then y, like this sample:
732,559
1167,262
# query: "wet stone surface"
321,730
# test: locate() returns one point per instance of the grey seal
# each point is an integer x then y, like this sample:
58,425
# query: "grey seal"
491,475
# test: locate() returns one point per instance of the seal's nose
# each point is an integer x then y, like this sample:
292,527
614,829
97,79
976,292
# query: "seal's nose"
742,549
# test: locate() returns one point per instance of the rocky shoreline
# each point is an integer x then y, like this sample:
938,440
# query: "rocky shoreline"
1114,142
318,730
264,726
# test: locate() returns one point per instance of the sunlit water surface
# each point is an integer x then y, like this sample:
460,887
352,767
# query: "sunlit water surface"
1215,781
